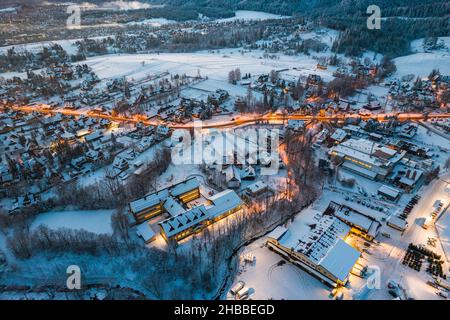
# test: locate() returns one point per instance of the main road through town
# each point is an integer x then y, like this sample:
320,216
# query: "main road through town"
229,121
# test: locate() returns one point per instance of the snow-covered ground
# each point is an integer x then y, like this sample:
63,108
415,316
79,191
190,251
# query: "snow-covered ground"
214,65
421,63
97,221
269,280
116,5
417,45
252,15
154,22
68,45
9,9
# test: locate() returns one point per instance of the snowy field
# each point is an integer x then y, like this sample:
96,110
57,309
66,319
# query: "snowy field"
116,5
97,221
421,63
154,22
247,15
68,45
417,45
214,65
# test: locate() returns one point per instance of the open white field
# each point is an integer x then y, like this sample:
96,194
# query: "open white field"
154,22
422,62
97,221
214,65
68,45
251,15
417,45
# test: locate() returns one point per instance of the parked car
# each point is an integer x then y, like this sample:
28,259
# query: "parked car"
243,293
237,287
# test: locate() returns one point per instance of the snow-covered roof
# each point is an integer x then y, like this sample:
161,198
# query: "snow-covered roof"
152,199
223,202
339,135
323,239
296,124
257,186
162,130
148,201
318,239
173,207
145,231
340,259
397,222
184,187
277,233
93,136
232,173
411,177
354,217
363,171
394,193
184,221
368,152
119,162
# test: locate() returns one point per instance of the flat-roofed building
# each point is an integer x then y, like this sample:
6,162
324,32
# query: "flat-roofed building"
389,193
322,251
338,136
366,158
397,223
362,225
257,188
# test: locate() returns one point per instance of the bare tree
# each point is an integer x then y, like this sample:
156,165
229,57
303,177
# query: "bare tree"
120,224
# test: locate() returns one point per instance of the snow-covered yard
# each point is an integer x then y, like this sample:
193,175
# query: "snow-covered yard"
268,280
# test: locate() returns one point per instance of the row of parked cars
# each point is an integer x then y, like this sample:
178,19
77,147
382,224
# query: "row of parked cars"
437,210
365,203
240,291
407,210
